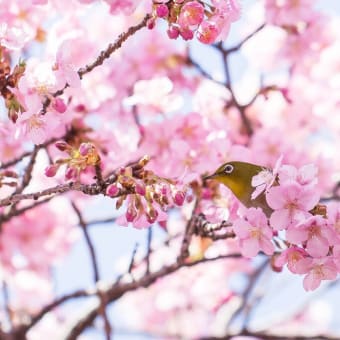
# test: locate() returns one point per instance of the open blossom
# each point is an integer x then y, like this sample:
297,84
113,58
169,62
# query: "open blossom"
316,233
254,233
293,256
35,127
318,270
291,203
306,175
265,179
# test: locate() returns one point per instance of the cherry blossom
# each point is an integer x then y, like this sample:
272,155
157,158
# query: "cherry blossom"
254,233
291,203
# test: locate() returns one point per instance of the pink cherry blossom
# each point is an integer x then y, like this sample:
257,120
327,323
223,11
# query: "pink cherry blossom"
315,233
254,233
291,203
318,270
265,179
305,175
293,256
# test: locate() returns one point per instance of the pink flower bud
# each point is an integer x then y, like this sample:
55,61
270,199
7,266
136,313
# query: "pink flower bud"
186,33
151,23
51,170
59,105
62,146
112,190
80,108
179,198
131,213
173,32
71,173
162,11
140,189
85,148
164,190
151,215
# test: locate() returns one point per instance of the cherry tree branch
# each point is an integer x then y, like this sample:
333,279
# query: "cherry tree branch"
118,290
107,325
103,55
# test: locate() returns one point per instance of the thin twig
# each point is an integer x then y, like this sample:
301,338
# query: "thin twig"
132,260
102,297
253,278
88,243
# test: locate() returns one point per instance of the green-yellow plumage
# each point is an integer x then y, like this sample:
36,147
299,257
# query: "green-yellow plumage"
237,176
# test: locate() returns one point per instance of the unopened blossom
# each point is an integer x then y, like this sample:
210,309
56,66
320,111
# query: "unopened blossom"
254,233
291,203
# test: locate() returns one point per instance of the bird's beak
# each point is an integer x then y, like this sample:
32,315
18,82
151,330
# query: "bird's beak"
210,176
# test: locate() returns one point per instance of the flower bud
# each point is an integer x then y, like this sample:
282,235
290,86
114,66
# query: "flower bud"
151,214
162,11
59,105
112,190
151,23
51,170
71,173
173,32
62,146
85,148
131,213
140,189
179,198
186,33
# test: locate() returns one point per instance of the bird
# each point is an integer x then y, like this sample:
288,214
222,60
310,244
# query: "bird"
237,176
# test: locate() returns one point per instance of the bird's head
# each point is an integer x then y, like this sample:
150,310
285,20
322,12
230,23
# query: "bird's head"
237,176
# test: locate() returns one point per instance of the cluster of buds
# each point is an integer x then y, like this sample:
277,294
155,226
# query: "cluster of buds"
210,22
80,158
145,193
9,178
9,79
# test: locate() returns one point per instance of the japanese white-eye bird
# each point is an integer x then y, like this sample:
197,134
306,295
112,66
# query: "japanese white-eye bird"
237,176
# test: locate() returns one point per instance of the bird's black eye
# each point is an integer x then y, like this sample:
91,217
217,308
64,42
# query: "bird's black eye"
228,169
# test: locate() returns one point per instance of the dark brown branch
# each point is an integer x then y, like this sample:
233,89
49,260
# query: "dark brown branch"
17,212
132,260
102,297
245,121
88,189
29,153
88,243
253,278
118,290
113,47
237,47
271,336
23,329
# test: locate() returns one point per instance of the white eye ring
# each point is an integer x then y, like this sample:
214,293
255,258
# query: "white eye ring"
228,169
